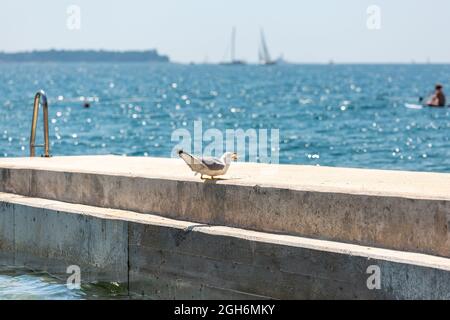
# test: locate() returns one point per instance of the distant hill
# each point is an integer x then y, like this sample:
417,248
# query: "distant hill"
84,56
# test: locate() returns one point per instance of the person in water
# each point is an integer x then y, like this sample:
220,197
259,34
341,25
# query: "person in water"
438,98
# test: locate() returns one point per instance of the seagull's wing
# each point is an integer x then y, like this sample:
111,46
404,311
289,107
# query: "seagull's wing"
213,164
194,163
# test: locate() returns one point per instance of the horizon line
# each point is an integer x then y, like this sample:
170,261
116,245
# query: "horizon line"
330,61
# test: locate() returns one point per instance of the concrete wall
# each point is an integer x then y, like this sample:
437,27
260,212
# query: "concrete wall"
164,258
406,216
38,236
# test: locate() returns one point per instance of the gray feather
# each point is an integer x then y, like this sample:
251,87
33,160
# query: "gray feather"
213,163
194,163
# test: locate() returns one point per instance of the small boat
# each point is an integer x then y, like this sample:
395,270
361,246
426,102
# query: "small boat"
263,52
233,61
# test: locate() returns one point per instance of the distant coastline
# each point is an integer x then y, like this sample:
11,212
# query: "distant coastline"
84,56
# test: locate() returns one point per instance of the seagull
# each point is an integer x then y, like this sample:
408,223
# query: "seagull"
208,165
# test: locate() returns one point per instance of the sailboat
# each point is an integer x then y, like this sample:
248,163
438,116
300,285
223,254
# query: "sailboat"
233,60
263,52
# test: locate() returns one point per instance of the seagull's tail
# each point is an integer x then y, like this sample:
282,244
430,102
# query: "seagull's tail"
190,160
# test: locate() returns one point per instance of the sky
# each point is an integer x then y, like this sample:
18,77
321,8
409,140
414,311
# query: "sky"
313,31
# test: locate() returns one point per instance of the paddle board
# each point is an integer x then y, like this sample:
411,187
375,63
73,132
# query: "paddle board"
414,106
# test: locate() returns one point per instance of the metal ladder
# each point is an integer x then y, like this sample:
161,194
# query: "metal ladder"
40,99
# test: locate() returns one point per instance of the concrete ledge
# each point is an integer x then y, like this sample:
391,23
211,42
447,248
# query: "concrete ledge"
406,211
164,258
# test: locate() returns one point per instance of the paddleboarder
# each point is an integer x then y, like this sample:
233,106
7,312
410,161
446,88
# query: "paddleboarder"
438,98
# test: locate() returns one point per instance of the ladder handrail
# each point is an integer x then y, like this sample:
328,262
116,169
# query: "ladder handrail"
40,98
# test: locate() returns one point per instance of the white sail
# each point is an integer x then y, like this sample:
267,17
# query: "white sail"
260,55
233,44
264,55
233,60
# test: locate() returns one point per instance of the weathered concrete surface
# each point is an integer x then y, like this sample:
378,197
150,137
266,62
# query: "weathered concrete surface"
406,211
171,259
36,234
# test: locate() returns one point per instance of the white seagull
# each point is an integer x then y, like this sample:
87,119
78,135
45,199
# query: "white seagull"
208,165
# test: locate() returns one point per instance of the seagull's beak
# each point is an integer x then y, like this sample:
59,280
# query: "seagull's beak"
234,156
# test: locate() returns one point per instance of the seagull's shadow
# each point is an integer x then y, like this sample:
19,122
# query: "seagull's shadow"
215,180
194,226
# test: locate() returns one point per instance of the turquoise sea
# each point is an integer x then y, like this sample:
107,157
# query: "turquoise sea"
330,115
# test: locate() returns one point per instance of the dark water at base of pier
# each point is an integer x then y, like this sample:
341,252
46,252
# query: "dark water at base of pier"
25,284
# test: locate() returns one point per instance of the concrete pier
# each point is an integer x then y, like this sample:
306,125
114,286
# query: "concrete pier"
389,209
163,258
294,232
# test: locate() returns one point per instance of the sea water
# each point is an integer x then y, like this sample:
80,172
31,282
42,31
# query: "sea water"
328,115
25,284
